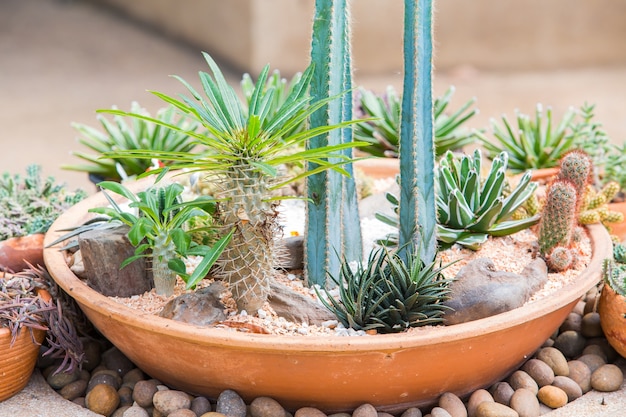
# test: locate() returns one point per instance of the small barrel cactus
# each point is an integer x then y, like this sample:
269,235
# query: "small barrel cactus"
576,166
559,216
560,259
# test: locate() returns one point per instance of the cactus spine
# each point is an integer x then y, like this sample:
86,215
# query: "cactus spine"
418,222
559,216
332,197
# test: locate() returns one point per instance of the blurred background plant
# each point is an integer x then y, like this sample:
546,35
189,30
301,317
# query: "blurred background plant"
29,204
382,132
117,135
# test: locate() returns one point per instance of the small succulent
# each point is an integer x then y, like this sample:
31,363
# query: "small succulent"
595,207
117,135
389,295
614,270
471,209
558,217
30,204
615,165
532,143
158,232
591,138
383,131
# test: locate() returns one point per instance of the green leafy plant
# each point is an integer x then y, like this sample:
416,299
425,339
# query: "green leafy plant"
158,232
532,143
117,135
595,207
382,132
471,209
388,294
29,204
615,165
245,148
614,270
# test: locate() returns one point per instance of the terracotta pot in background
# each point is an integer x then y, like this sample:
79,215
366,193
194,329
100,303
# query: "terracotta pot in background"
619,229
391,371
16,251
612,308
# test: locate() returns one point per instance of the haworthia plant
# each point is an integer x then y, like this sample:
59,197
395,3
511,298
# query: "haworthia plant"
333,227
418,221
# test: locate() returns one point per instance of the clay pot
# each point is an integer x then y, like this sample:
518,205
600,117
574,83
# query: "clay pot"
17,361
17,251
392,371
619,229
612,308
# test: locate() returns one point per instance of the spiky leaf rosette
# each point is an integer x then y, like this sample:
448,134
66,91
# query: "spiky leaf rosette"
388,294
469,209
558,218
245,149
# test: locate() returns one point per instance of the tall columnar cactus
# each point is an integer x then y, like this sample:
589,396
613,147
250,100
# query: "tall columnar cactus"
559,216
418,222
333,227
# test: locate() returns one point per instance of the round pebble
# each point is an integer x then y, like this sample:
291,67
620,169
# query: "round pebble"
595,350
580,373
572,322
571,388
411,412
132,377
520,379
489,409
167,401
554,359
439,412
592,361
452,404
570,343
61,379
552,396
308,412
183,412
144,392
266,407
231,404
201,405
607,378
126,396
119,412
135,411
102,399
74,389
93,352
525,403
477,397
365,410
590,325
502,392
104,378
539,371
115,360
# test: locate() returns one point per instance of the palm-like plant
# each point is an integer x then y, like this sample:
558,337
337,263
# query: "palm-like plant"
245,150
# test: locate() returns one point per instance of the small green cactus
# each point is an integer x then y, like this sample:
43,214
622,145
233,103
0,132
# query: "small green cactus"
614,270
559,216
560,259
595,208
576,166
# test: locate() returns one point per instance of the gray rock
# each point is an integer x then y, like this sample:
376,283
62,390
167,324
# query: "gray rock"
202,307
479,290
103,251
231,404
297,307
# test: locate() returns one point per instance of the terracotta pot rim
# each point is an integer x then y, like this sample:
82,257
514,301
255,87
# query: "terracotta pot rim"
62,274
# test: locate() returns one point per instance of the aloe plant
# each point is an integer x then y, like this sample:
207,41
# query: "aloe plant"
383,131
117,135
245,148
157,232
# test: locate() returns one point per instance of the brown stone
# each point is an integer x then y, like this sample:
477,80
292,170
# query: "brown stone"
607,378
439,412
590,326
580,373
489,409
525,403
571,388
167,401
266,407
452,404
539,371
552,396
502,392
102,399
309,412
144,392
520,379
297,307
592,361
479,396
554,359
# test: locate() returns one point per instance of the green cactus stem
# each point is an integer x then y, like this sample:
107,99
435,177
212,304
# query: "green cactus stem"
418,221
559,216
576,166
333,227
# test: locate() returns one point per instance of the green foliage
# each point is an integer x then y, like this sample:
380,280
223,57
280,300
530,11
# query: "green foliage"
532,143
117,135
615,165
30,204
558,218
382,132
595,207
157,232
388,294
591,138
471,209
614,270
245,149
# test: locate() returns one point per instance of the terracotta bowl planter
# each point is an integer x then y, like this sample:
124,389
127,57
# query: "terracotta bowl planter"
612,308
392,372
18,361
16,251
